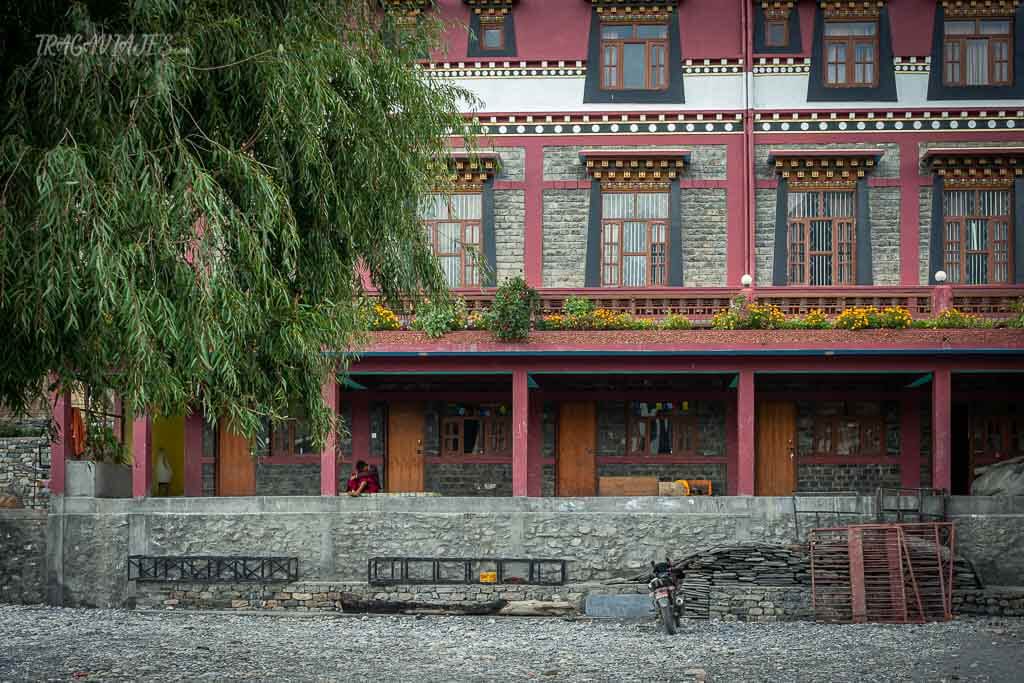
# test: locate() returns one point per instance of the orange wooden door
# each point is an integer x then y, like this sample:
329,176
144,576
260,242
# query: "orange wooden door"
236,469
577,441
776,448
405,447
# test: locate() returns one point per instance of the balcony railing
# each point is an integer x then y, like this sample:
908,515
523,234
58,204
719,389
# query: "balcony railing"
700,304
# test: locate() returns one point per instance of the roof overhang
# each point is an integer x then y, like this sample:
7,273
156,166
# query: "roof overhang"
979,8
474,167
635,165
988,165
824,165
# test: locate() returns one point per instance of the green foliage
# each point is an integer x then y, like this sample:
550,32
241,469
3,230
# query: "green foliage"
515,304
745,315
184,226
1018,308
954,319
577,306
102,446
676,322
438,317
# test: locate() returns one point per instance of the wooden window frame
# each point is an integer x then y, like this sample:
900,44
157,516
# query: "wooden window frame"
768,24
499,26
467,230
834,423
958,269
980,453
850,59
618,264
282,439
960,40
681,424
803,256
652,75
491,427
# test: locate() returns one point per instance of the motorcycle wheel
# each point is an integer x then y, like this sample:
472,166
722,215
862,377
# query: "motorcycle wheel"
668,619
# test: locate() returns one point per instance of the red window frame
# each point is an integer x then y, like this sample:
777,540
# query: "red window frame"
804,231
870,439
999,49
685,432
470,234
957,252
494,435
655,58
852,64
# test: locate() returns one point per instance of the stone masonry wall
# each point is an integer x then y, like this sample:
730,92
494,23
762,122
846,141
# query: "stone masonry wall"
884,204
289,480
565,237
509,233
704,219
469,479
22,557
707,162
925,233
863,479
764,235
24,463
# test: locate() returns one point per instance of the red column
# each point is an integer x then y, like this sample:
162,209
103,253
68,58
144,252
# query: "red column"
60,449
910,215
942,298
535,450
142,458
194,454
520,433
360,427
910,443
732,466
942,397
736,256
533,238
745,434
329,455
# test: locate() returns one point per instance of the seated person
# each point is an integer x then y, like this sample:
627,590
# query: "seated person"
363,479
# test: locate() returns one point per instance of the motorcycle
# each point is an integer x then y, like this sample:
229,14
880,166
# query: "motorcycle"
662,587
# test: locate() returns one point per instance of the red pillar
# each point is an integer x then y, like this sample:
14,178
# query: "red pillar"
535,450
942,397
732,466
329,455
942,298
745,433
520,433
194,454
533,238
60,449
142,458
360,427
910,443
910,215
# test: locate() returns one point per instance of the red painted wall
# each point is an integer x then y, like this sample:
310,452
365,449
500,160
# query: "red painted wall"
711,29
912,22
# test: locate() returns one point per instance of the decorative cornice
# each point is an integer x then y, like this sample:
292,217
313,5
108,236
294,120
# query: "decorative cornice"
852,9
562,68
897,121
991,166
979,8
776,10
633,167
491,11
831,167
473,169
635,10
405,12
632,123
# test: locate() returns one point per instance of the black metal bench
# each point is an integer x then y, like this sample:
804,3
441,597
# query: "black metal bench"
461,570
212,569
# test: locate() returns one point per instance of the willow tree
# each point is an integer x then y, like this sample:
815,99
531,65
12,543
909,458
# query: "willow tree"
188,187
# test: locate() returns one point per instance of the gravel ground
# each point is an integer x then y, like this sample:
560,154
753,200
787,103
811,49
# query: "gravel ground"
62,644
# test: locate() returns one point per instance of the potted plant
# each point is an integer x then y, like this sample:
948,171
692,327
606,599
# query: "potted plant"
104,471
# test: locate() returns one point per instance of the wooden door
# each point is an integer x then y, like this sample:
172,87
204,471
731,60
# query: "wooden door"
405,447
236,469
776,448
577,441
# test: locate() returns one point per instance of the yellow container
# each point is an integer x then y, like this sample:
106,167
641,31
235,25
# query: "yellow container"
488,577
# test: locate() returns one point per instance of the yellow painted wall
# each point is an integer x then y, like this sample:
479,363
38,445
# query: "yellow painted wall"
169,434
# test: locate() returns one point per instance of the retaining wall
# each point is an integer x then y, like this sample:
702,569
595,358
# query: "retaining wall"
601,538
23,556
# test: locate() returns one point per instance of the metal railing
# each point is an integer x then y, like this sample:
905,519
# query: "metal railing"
212,569
460,570
700,304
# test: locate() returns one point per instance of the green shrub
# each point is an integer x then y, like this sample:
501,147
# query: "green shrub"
438,318
577,306
676,322
952,319
515,304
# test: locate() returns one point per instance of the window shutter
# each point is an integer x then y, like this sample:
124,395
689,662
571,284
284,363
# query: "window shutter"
781,262
592,277
864,274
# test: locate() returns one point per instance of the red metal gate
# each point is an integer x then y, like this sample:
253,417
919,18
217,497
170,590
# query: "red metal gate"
896,573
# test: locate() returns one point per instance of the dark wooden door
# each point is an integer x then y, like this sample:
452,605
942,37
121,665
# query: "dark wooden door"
236,469
776,448
405,447
577,441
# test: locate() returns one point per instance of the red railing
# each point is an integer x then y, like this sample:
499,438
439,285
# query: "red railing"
700,304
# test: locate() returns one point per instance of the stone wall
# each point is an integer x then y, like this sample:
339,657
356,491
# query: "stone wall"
704,217
565,237
24,463
509,233
469,479
513,163
992,602
884,205
764,235
761,603
924,208
292,479
863,479
22,557
600,538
